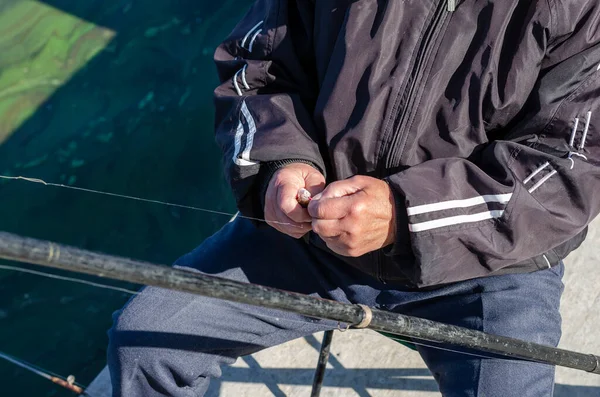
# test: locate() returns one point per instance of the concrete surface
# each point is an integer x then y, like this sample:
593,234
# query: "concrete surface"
364,363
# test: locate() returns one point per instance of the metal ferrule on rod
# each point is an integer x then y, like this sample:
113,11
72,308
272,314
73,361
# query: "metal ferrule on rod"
53,255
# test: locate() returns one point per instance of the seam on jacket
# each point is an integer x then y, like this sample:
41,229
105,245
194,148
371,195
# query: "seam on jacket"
508,210
236,112
553,21
427,78
513,156
399,93
270,42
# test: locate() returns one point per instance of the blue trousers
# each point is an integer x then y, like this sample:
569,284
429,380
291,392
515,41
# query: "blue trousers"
166,343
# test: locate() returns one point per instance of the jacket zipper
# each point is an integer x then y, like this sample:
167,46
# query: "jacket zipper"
387,151
416,74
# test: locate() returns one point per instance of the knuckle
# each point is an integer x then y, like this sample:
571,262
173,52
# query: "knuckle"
358,208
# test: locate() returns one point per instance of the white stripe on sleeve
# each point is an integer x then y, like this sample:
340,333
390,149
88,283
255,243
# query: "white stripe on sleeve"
251,131
244,159
452,204
454,220
258,25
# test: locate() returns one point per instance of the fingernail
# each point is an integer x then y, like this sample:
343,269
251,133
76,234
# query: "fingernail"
318,196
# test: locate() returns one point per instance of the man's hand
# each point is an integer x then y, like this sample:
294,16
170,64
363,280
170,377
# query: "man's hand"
355,216
282,210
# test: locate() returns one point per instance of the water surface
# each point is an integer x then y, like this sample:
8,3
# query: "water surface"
109,95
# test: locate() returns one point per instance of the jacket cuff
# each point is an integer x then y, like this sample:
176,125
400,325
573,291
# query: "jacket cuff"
402,242
268,169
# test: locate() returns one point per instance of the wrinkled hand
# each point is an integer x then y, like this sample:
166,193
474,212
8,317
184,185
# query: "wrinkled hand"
282,210
355,216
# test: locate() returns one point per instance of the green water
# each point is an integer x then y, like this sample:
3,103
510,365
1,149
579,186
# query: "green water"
109,95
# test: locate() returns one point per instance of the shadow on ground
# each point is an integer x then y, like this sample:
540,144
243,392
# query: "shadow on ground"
360,380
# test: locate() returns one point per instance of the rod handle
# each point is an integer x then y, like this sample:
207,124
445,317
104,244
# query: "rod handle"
67,385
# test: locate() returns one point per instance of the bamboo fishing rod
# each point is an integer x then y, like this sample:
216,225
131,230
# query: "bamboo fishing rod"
45,253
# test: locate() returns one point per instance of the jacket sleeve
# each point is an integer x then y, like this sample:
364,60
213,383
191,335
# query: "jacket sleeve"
523,196
263,104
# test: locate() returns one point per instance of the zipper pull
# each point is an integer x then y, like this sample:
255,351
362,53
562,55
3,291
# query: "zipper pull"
451,5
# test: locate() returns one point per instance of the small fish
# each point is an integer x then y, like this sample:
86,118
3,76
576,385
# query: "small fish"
303,197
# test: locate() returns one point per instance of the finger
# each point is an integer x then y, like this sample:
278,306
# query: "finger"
284,219
340,246
314,183
271,216
280,221
341,188
326,229
329,208
296,232
287,202
282,224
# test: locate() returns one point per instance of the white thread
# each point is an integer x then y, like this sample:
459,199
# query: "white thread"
534,173
585,131
451,5
250,32
571,154
251,46
244,77
542,181
63,278
578,155
598,68
33,180
236,85
572,140
547,262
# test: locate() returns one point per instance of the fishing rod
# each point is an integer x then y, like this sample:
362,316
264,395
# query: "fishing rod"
68,383
49,254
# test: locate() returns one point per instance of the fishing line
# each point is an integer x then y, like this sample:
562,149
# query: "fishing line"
80,281
188,207
71,279
68,383
128,291
28,367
